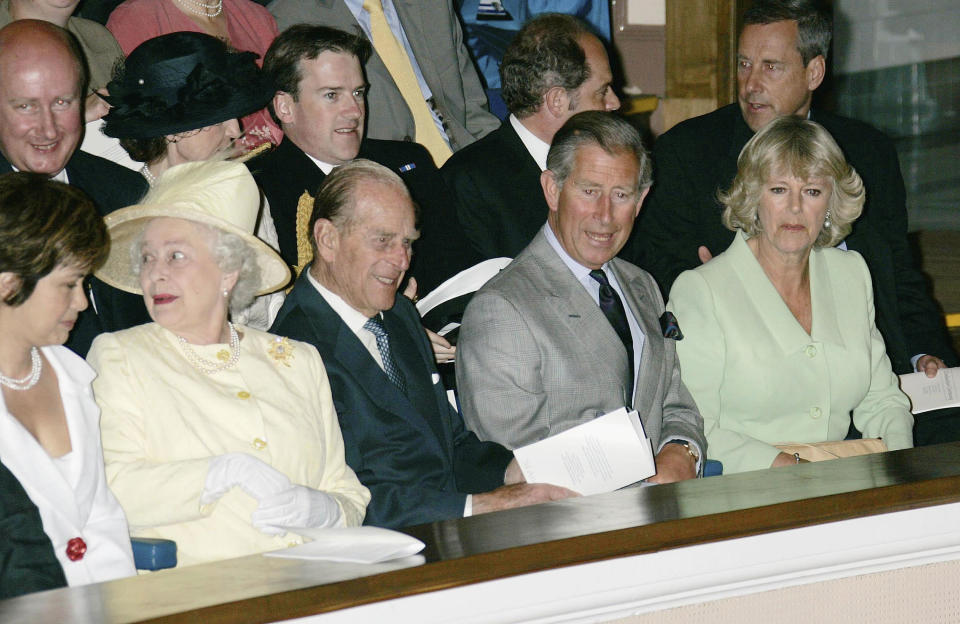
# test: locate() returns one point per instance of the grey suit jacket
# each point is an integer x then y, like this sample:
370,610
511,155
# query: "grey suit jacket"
536,356
434,33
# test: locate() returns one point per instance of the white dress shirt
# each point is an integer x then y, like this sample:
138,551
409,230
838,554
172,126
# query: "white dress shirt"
354,320
592,287
538,149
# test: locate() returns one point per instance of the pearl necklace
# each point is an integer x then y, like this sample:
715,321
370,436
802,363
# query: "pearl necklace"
25,383
151,179
206,366
203,9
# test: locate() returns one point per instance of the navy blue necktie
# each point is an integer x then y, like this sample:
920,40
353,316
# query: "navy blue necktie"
612,308
375,327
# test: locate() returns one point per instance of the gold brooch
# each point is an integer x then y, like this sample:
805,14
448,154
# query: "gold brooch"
281,350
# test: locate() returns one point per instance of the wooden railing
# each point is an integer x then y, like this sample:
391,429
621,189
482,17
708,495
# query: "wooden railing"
494,546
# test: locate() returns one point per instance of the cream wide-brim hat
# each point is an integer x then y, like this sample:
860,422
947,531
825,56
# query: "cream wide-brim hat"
221,194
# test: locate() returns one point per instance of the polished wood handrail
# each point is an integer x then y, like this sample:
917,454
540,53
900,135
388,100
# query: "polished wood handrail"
460,552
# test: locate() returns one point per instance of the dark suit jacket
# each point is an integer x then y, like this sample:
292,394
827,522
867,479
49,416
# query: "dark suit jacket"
111,187
699,156
27,562
442,251
496,186
412,451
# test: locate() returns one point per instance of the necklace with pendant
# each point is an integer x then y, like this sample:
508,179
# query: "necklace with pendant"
206,366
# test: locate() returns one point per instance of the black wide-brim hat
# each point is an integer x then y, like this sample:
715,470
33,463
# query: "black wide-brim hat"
182,81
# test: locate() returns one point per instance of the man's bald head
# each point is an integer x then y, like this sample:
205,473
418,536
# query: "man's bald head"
42,80
38,36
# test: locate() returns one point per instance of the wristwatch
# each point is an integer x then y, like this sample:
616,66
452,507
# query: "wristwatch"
690,449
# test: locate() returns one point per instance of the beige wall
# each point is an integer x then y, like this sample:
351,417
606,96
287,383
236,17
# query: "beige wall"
926,593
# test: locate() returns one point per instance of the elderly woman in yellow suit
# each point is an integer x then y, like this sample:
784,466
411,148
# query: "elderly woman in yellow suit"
779,340
220,437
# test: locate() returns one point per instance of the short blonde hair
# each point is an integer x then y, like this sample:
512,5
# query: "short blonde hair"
803,149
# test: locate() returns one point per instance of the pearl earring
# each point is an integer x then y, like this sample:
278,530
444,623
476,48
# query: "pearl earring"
826,220
226,293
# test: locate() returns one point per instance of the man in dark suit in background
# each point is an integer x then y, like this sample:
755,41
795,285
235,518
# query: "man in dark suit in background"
781,61
42,82
401,436
320,105
553,69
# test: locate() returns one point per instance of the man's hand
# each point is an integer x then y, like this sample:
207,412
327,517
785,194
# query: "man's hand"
930,364
410,292
674,463
94,107
513,474
518,495
443,351
704,254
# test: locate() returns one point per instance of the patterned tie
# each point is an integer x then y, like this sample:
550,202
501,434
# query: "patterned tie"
612,308
398,63
375,327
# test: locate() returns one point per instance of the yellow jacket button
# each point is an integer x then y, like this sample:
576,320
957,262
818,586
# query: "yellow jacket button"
259,444
243,394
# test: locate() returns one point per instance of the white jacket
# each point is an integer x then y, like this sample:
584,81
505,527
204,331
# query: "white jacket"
80,507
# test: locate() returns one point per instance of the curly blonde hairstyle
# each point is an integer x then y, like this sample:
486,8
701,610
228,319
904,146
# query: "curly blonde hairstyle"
802,149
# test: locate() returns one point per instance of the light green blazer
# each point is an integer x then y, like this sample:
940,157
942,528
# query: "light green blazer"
760,379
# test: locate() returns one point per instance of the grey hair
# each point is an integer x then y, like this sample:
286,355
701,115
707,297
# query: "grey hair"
605,130
814,26
803,149
336,196
230,252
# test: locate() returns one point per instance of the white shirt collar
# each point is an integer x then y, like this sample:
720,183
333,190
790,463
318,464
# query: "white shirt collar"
579,271
538,149
326,168
60,177
351,317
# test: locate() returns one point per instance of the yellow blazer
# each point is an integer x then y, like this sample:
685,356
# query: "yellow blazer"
162,421
760,379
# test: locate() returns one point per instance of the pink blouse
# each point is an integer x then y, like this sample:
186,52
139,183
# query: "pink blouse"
249,25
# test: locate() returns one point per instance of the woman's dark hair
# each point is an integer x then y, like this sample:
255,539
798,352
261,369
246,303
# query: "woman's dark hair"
45,224
145,150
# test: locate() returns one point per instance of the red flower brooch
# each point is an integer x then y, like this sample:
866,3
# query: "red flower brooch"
76,548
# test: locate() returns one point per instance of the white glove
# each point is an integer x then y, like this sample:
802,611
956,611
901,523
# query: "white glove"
296,507
255,477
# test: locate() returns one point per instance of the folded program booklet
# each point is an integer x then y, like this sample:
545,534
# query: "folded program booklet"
927,393
602,455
